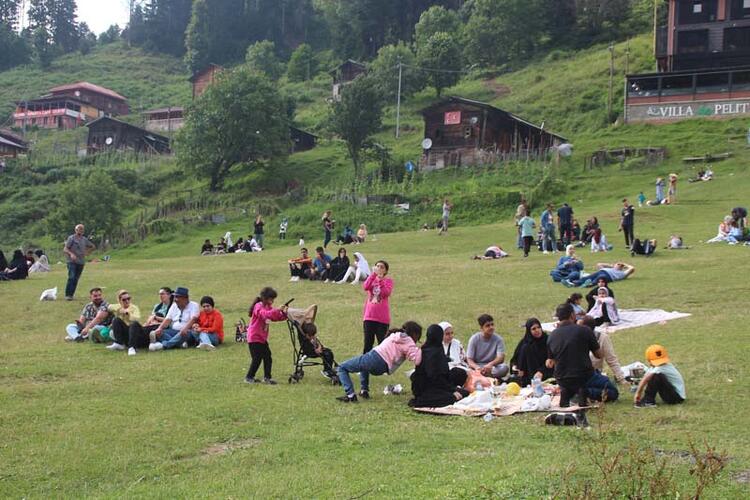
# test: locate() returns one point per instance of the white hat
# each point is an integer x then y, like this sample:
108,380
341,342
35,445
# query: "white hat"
445,325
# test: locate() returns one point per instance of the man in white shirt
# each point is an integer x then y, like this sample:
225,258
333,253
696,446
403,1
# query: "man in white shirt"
174,329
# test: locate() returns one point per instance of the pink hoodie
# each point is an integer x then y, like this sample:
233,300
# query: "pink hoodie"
376,306
396,348
257,330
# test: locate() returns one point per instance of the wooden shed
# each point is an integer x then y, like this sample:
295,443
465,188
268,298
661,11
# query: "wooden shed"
344,74
12,145
108,134
165,119
468,132
203,78
301,140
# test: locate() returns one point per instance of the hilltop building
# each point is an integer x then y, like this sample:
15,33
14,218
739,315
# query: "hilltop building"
165,119
467,132
69,106
344,74
109,134
703,64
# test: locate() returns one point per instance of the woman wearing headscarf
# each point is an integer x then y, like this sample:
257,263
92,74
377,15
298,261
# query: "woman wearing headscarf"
431,381
17,268
452,347
531,353
605,308
360,269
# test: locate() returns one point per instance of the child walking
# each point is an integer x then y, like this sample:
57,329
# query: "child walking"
261,314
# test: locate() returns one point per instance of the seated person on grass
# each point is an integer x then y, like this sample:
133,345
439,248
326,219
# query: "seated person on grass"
94,318
453,348
493,252
568,266
431,382
174,330
387,357
662,379
605,308
321,265
159,312
329,364
42,263
591,296
610,272
207,248
126,330
300,268
207,330
17,269
486,350
607,351
530,355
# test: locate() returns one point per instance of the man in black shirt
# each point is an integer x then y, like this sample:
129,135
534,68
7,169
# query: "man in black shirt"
569,346
627,221
565,223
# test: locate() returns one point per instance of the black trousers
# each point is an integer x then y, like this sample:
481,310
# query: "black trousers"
373,330
328,361
659,384
527,240
569,387
259,353
131,336
604,317
566,233
301,272
627,230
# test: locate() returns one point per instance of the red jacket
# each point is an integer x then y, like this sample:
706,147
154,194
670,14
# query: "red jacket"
212,322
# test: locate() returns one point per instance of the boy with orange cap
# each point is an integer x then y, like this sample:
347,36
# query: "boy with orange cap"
662,378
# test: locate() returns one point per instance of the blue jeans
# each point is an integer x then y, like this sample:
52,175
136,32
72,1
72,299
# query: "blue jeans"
549,236
171,338
599,385
366,364
74,273
205,338
593,278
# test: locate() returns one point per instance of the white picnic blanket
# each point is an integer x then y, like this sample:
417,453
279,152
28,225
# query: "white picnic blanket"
633,318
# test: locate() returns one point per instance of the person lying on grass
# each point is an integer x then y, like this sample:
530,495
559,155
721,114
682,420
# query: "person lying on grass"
610,272
431,382
493,252
662,379
387,357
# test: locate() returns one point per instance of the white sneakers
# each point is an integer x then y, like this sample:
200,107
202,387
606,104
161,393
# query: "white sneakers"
131,351
206,347
155,346
294,278
116,347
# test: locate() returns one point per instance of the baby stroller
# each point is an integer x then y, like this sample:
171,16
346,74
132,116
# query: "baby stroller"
303,351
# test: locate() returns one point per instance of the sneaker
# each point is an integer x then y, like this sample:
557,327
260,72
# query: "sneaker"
567,283
545,252
116,347
184,345
644,404
68,297
206,347
269,381
152,336
70,339
250,380
155,346
294,278
80,338
350,398
581,420
587,283
364,394
131,351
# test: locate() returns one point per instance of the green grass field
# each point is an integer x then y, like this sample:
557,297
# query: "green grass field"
78,420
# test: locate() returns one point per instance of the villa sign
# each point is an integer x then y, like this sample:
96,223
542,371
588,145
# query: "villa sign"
674,111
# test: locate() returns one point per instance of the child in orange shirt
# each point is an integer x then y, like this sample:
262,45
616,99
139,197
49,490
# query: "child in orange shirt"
208,328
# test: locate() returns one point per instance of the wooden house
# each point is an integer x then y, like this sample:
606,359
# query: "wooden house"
107,101
58,112
344,74
703,64
12,145
467,132
108,134
301,140
165,119
203,78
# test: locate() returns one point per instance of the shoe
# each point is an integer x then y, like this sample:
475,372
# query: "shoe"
567,283
80,338
348,398
250,380
269,381
116,347
184,345
152,336
587,283
581,420
68,297
206,347
364,394
326,281
294,278
644,404
131,351
70,339
155,346
545,252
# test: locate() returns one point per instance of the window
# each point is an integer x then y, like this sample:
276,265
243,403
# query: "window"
697,8
741,80
740,9
677,85
643,87
712,82
694,11
736,39
692,42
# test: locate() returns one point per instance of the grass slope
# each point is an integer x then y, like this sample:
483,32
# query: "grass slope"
82,421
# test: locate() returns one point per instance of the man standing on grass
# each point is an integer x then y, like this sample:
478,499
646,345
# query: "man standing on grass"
76,248
174,330
565,221
627,221
548,229
447,207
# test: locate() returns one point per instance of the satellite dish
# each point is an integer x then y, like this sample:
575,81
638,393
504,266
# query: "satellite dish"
108,141
474,120
77,93
426,143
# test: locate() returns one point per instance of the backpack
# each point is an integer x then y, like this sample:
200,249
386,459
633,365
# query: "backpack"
240,331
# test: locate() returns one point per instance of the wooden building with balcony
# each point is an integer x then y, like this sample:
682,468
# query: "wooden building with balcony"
165,119
107,101
467,132
109,134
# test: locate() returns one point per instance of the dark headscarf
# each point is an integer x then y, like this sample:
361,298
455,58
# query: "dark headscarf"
3,261
531,353
430,382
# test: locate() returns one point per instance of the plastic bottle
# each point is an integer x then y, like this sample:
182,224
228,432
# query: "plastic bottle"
536,384
488,417
478,386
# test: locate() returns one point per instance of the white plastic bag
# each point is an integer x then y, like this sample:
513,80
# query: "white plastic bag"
49,294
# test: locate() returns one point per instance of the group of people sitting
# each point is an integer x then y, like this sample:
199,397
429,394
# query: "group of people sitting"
569,271
175,321
733,229
225,246
322,267
20,265
349,236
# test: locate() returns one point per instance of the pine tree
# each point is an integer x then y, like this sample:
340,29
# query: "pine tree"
63,25
198,37
9,13
165,25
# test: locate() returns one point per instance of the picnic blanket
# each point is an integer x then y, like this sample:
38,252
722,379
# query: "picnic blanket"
503,407
633,318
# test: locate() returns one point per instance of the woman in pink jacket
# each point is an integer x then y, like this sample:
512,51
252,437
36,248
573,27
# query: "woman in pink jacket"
399,346
377,315
261,314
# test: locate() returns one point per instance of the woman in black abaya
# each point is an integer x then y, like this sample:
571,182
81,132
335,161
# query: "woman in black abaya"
433,382
531,353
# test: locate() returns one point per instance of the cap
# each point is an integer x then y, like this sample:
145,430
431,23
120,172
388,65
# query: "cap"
181,291
657,355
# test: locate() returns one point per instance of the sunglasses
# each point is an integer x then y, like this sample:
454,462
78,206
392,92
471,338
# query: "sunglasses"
125,299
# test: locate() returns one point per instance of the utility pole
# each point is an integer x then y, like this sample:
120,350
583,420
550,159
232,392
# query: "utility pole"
398,100
611,79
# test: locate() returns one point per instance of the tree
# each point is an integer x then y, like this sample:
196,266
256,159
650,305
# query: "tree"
239,122
87,39
165,22
63,25
14,49
198,37
111,35
441,57
302,64
356,117
384,71
94,200
262,57
9,13
436,19
136,29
